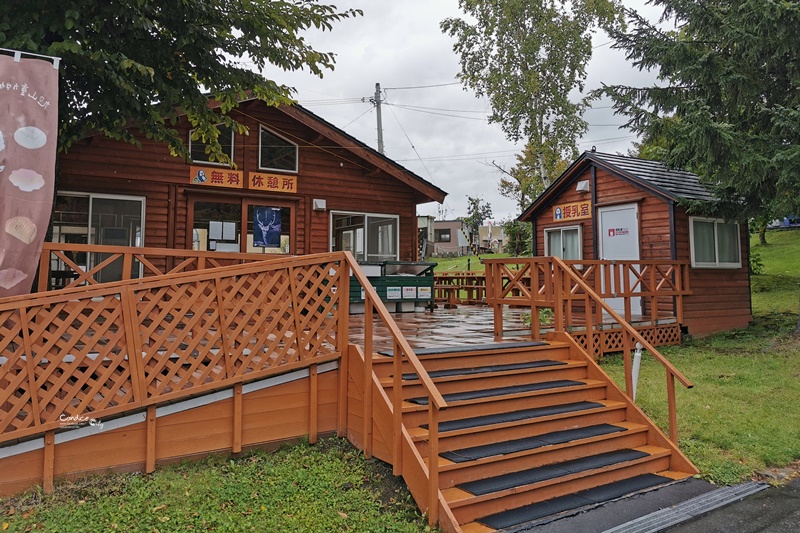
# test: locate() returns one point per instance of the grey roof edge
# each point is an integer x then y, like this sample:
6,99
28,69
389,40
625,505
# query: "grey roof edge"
600,160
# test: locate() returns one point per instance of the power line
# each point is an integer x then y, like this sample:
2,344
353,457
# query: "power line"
358,117
435,113
422,86
412,144
407,106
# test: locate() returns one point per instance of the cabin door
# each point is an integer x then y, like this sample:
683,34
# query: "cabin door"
619,240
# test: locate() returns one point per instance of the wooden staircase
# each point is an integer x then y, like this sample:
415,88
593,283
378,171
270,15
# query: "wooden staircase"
531,429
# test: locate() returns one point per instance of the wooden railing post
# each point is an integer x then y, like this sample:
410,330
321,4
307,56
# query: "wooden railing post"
342,343
626,357
368,328
397,410
433,463
557,282
673,408
43,281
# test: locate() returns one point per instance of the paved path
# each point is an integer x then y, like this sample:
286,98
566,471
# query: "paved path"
775,510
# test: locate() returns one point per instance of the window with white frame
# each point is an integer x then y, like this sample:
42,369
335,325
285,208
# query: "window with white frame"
564,243
198,149
369,236
714,243
275,152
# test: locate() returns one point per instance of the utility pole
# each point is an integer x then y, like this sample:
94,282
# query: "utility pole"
376,101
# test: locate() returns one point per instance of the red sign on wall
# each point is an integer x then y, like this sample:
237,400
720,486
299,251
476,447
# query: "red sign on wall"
216,177
573,211
273,182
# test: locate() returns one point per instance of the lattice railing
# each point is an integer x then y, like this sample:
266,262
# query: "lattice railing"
97,351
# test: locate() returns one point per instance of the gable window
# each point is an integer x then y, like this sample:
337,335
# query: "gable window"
197,148
714,243
564,243
275,152
441,235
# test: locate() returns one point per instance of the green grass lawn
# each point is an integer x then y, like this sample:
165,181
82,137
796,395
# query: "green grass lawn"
326,487
461,264
743,414
778,288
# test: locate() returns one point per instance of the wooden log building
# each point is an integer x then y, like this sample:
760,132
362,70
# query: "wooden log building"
298,185
613,207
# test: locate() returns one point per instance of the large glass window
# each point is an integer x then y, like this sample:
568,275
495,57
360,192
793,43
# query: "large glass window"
198,148
217,226
714,243
80,218
276,153
564,243
369,237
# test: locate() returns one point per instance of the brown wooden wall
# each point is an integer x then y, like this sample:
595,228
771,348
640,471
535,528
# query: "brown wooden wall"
326,171
721,297
269,416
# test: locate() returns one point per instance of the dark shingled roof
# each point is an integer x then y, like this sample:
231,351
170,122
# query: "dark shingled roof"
672,182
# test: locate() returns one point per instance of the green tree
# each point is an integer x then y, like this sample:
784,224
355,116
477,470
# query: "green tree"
143,62
478,210
526,58
524,182
519,237
728,103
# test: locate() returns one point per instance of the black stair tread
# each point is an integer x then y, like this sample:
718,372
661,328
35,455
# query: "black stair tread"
529,443
543,473
487,369
514,416
603,493
502,391
470,348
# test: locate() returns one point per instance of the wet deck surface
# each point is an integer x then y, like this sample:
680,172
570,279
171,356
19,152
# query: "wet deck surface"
444,327
467,324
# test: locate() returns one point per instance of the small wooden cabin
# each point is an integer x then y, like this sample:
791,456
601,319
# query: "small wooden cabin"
298,185
614,207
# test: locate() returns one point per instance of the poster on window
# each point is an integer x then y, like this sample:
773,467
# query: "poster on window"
28,132
267,227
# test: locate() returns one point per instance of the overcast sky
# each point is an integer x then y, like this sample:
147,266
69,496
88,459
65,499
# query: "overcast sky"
431,125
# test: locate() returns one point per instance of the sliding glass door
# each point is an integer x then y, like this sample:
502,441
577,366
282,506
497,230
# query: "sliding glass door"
110,220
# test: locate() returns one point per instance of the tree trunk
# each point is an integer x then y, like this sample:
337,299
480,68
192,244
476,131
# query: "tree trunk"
762,235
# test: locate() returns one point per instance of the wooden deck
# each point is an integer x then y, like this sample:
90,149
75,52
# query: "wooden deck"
474,324
213,360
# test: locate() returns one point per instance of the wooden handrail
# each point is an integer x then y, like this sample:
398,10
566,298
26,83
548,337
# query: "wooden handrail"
614,315
139,253
173,335
165,337
436,401
568,284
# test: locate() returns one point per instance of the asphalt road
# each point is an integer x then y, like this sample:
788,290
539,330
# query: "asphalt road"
775,510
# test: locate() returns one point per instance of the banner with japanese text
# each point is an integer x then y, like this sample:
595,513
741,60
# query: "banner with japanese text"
28,135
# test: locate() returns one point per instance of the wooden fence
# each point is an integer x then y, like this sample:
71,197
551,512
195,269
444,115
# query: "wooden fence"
99,351
64,265
550,283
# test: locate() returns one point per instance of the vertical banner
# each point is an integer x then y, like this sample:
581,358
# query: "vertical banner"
267,227
28,134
